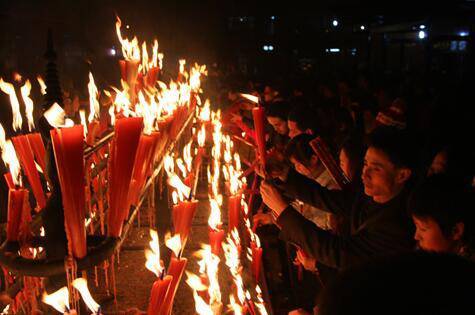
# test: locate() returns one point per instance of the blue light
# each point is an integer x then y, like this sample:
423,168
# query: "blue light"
422,27
272,17
332,50
335,22
464,33
422,35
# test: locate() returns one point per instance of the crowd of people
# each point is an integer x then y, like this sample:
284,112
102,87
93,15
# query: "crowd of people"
400,231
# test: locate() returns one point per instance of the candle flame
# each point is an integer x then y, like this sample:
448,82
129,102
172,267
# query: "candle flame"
80,284
152,256
202,136
82,115
187,156
214,220
59,300
174,243
94,107
29,106
234,307
42,84
195,282
251,98
130,49
55,116
201,307
9,89
177,183
9,157
205,112
260,301
209,266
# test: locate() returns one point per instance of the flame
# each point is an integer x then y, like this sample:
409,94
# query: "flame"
59,300
42,85
82,115
130,49
9,89
55,116
152,256
251,98
5,310
25,94
160,60
195,74
80,284
174,243
182,63
195,282
181,166
202,136
235,307
260,301
9,157
231,253
122,100
145,110
183,190
205,112
202,308
154,62
144,58
17,77
94,107
168,164
187,156
209,265
214,220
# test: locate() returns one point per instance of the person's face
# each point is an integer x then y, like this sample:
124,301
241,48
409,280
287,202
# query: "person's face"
439,164
293,129
381,178
269,94
429,236
279,125
345,164
300,168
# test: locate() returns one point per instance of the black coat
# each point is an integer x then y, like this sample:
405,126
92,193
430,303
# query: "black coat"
376,229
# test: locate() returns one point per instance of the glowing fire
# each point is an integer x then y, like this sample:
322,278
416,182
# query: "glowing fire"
231,253
260,302
214,220
82,115
195,282
130,49
9,157
153,262
251,97
187,156
42,85
29,106
205,112
209,265
9,89
94,107
202,136
201,307
183,190
80,284
55,116
174,243
59,300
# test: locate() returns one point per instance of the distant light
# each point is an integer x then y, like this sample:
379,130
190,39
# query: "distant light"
422,27
464,33
271,48
272,17
362,27
422,34
332,50
127,26
241,19
265,47
353,51
112,52
335,22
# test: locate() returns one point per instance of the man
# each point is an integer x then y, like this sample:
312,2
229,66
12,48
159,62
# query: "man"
377,213
441,210
301,120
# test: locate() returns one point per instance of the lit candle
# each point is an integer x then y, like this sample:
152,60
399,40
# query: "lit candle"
158,293
234,211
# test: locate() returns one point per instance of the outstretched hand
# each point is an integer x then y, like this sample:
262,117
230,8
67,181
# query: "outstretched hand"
273,198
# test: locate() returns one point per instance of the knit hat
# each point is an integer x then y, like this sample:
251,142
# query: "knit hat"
394,116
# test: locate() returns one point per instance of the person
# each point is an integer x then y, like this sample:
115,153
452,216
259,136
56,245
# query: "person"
377,210
301,120
276,114
441,209
351,157
412,284
455,161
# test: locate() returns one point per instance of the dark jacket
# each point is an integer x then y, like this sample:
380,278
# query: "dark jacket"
376,229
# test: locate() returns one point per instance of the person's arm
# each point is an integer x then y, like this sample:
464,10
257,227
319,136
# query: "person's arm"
310,192
336,251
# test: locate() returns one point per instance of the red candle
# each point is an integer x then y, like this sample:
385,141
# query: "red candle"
258,114
68,145
121,163
215,240
92,131
159,291
129,70
141,166
183,214
25,155
256,261
175,269
234,211
36,143
9,180
17,201
151,76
